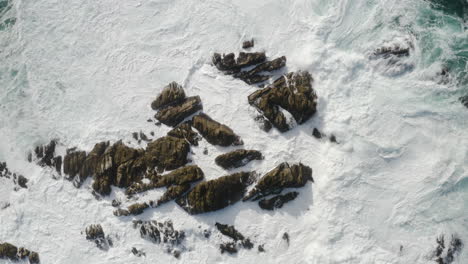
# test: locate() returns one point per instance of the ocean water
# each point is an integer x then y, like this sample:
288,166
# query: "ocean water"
86,71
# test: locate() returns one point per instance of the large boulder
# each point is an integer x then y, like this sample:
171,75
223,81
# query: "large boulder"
293,93
167,153
237,158
172,115
214,132
181,176
173,93
186,132
215,194
283,176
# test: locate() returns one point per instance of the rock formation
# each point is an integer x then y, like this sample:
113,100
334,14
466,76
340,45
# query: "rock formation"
214,132
237,158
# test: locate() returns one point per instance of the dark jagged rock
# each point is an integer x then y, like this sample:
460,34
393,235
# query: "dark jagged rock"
173,192
248,44
316,133
18,179
237,158
230,231
138,253
246,59
226,62
185,131
283,176
73,163
162,233
95,233
45,154
167,153
293,93
134,209
215,194
172,115
214,132
184,175
229,247
173,93
446,253
277,201
12,253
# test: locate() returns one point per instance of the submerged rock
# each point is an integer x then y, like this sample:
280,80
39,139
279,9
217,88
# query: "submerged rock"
277,201
237,158
172,115
293,93
215,194
214,132
95,233
185,131
46,153
283,176
138,253
173,93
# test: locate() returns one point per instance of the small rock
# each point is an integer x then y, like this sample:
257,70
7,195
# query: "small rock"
205,151
286,238
138,253
261,248
277,201
237,158
229,247
116,203
95,234
248,44
316,133
333,139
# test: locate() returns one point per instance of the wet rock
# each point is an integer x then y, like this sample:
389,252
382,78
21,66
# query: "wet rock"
277,201
134,209
95,233
246,59
173,192
116,203
181,176
185,131
173,93
286,237
333,139
214,132
261,248
12,253
229,231
174,114
73,163
22,181
45,153
237,158
394,50
138,253
263,123
464,100
215,194
167,153
226,62
248,44
293,93
446,253
283,176
316,133
18,179
162,233
229,247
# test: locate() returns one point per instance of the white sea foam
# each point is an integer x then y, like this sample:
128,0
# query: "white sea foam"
87,71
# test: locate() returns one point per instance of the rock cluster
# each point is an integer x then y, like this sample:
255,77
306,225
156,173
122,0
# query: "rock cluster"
237,158
18,179
173,106
45,156
293,93
95,233
228,64
239,239
281,177
162,233
215,194
12,253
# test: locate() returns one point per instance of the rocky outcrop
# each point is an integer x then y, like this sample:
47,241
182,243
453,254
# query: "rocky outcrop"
283,176
162,233
172,115
186,132
134,209
277,201
215,194
12,253
293,93
237,158
173,93
45,156
95,233
214,132
184,175
18,179
167,153
230,65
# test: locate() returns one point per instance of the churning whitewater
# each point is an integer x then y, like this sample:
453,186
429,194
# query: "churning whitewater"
391,85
